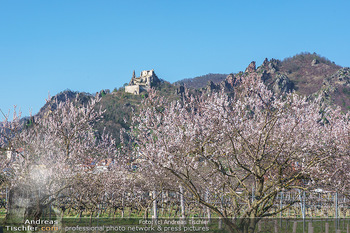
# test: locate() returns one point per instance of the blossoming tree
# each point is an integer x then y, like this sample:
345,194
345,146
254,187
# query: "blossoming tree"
50,156
234,155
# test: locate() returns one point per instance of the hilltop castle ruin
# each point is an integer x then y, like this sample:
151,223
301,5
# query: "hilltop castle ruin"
146,80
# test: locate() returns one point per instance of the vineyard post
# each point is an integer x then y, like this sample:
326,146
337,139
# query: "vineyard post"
155,205
182,202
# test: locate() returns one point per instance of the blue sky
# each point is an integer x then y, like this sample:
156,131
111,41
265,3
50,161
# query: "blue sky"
84,45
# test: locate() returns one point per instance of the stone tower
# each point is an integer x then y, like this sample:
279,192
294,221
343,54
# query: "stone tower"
146,80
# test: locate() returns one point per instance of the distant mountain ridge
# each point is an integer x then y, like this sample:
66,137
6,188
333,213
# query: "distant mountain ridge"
307,74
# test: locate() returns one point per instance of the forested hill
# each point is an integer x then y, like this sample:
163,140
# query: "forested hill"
201,81
307,74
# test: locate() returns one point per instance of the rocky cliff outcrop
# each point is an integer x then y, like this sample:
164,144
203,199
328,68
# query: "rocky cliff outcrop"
341,77
267,72
282,84
251,68
211,86
315,62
